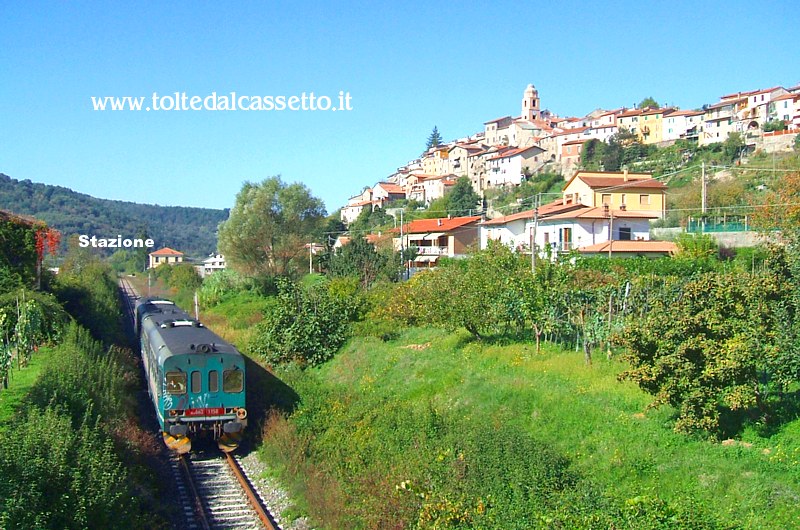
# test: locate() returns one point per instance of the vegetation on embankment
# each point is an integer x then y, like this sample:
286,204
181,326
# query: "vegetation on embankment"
435,429
474,395
71,452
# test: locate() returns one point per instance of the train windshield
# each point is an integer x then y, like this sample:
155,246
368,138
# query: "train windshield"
176,382
232,381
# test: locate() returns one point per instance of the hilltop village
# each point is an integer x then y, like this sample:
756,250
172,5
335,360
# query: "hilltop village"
596,208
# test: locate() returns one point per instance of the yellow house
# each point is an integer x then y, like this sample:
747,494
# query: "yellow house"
165,255
619,190
651,125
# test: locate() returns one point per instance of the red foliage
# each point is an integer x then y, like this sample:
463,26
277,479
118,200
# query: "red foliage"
48,238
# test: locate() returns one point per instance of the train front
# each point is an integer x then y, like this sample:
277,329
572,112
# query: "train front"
203,393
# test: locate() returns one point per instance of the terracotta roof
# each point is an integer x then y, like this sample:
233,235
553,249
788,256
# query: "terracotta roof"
600,179
166,251
629,113
389,187
659,247
686,113
786,96
599,212
573,142
546,210
433,225
514,151
565,132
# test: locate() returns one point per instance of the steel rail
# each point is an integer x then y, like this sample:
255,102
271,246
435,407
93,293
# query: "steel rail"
255,502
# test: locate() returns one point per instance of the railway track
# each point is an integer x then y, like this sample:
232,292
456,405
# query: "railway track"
214,491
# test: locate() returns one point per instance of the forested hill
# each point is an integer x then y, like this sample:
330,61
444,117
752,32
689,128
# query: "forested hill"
190,230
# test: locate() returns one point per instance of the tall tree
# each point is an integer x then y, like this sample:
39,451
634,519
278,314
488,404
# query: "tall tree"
435,139
269,226
463,199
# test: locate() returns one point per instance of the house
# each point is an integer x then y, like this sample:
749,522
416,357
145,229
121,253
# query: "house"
570,155
386,192
651,123
507,166
428,188
515,230
682,125
786,108
591,225
212,264
434,238
165,255
356,204
632,191
717,122
629,120
565,226
499,131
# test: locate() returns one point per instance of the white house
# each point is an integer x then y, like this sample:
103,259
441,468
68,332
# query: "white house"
563,227
213,263
507,166
682,124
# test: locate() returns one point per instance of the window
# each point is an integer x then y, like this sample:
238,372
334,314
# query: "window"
196,382
625,233
623,199
176,383
644,200
213,381
232,381
606,198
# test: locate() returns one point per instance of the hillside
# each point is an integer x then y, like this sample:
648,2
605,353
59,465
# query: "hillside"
190,230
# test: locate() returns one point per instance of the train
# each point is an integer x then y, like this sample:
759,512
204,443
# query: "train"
195,379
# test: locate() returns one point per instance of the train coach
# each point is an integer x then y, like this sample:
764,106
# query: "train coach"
196,380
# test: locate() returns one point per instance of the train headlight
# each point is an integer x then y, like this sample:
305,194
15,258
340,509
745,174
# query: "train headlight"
241,413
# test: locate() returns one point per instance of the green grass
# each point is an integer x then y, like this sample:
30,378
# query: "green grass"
602,426
20,383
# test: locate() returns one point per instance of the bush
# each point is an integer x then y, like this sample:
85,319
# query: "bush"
306,326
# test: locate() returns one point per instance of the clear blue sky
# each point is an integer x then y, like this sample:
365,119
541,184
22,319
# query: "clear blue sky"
407,67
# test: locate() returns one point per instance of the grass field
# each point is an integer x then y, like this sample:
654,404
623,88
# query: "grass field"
20,382
602,427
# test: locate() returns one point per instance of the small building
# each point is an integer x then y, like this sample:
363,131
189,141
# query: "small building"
618,190
434,238
212,264
165,255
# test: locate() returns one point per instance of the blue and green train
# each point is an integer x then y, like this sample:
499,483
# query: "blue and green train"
196,380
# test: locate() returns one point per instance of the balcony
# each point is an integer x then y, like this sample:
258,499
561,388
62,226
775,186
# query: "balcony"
431,251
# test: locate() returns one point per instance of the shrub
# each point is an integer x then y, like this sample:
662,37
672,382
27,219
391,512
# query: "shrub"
305,326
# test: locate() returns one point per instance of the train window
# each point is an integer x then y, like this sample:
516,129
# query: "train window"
213,381
176,382
232,381
196,382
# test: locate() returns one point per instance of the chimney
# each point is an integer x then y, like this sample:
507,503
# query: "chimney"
625,174
438,222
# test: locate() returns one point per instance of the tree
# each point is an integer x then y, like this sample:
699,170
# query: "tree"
435,139
269,226
649,102
360,259
704,348
462,198
732,147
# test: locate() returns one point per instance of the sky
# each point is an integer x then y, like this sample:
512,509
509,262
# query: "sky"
407,67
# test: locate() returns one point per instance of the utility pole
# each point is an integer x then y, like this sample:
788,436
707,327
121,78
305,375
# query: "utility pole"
610,230
703,189
402,245
704,196
535,229
310,253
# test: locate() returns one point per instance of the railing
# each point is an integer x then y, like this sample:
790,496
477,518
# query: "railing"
717,225
431,251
